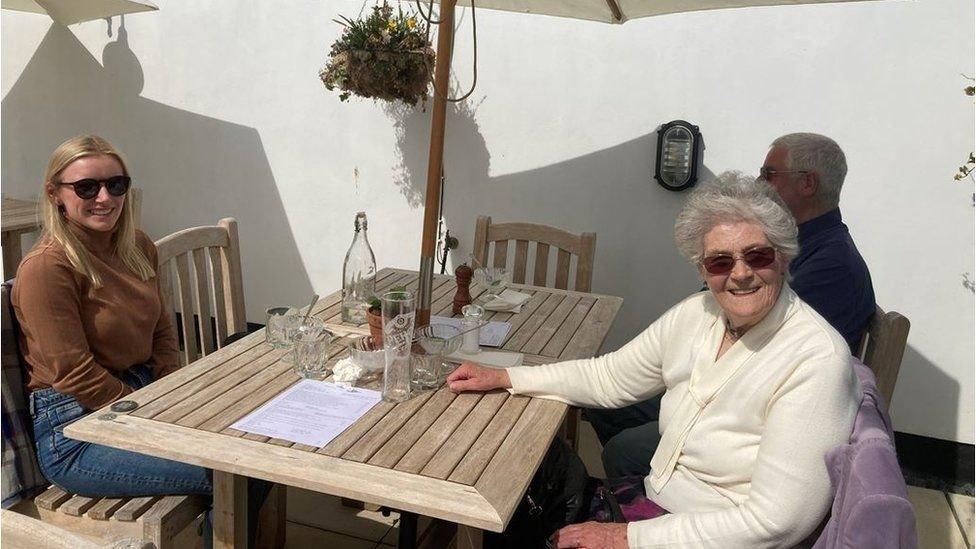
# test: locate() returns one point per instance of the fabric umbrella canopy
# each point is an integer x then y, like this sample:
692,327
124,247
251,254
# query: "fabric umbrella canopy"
607,11
69,12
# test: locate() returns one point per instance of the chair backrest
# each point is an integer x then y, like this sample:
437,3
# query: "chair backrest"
882,348
582,246
214,285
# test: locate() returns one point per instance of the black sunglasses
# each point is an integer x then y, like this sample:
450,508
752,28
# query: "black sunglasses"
722,264
89,188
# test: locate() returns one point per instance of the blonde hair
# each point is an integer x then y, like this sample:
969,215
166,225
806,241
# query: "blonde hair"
56,224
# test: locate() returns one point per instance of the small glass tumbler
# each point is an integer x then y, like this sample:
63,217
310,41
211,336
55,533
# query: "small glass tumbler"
310,356
298,327
430,345
274,333
471,324
398,322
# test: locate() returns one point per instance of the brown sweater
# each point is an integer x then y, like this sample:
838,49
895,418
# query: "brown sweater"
74,341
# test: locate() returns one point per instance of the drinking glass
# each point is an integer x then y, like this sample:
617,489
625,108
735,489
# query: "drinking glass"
274,333
494,279
310,356
398,322
298,327
431,343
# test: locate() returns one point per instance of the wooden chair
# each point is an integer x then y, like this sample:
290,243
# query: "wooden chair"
882,348
214,285
583,246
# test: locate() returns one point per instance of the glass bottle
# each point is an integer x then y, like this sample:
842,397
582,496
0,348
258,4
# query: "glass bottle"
358,275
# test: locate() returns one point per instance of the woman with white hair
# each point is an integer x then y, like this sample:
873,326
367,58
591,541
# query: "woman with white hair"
757,387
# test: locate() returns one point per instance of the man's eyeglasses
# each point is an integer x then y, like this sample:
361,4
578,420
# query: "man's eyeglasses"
722,264
767,174
89,188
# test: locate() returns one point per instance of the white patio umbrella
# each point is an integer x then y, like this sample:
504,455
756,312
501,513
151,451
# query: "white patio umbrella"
607,11
69,12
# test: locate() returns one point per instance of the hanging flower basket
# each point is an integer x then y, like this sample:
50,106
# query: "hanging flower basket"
384,56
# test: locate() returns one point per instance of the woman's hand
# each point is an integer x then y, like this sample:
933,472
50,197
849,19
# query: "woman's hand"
472,377
595,535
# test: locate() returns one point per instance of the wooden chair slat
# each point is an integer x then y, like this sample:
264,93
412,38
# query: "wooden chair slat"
230,258
883,347
501,253
77,505
52,498
220,310
134,508
584,262
481,241
202,295
186,308
562,269
521,258
541,272
104,509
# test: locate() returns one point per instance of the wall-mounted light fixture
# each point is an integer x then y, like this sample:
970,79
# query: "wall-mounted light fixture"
679,151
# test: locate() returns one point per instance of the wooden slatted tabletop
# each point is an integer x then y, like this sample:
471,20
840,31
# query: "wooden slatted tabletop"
16,218
464,458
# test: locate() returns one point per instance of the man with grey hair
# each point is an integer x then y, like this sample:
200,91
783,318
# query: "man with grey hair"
808,170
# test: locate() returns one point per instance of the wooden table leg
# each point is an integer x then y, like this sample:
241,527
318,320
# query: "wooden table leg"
12,253
229,511
469,538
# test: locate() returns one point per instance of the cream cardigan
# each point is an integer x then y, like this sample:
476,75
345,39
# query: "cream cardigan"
741,460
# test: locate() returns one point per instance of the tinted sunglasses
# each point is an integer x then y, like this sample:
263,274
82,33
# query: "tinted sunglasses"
756,258
89,188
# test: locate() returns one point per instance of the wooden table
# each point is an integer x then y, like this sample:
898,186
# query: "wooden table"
17,217
466,459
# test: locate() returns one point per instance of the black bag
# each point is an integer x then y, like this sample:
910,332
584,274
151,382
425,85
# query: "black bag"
558,495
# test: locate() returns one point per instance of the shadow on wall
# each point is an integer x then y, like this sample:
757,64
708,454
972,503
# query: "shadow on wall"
193,169
611,192
920,378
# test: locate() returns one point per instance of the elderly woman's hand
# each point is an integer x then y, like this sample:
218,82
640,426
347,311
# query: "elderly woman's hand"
597,535
472,377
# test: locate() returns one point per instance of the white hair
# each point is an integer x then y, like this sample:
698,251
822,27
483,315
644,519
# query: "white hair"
734,196
817,153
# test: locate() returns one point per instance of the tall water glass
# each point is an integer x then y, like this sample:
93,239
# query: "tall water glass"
398,322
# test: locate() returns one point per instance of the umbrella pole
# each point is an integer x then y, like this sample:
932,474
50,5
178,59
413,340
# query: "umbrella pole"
435,162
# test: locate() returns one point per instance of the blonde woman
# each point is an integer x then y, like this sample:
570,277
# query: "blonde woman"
93,324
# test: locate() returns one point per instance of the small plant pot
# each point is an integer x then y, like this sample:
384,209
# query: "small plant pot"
375,320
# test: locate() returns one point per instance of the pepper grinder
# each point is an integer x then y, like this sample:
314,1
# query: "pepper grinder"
463,275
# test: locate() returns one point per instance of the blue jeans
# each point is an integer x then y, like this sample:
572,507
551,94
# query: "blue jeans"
94,470
629,436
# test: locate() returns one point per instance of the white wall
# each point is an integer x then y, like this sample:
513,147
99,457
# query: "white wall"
219,109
